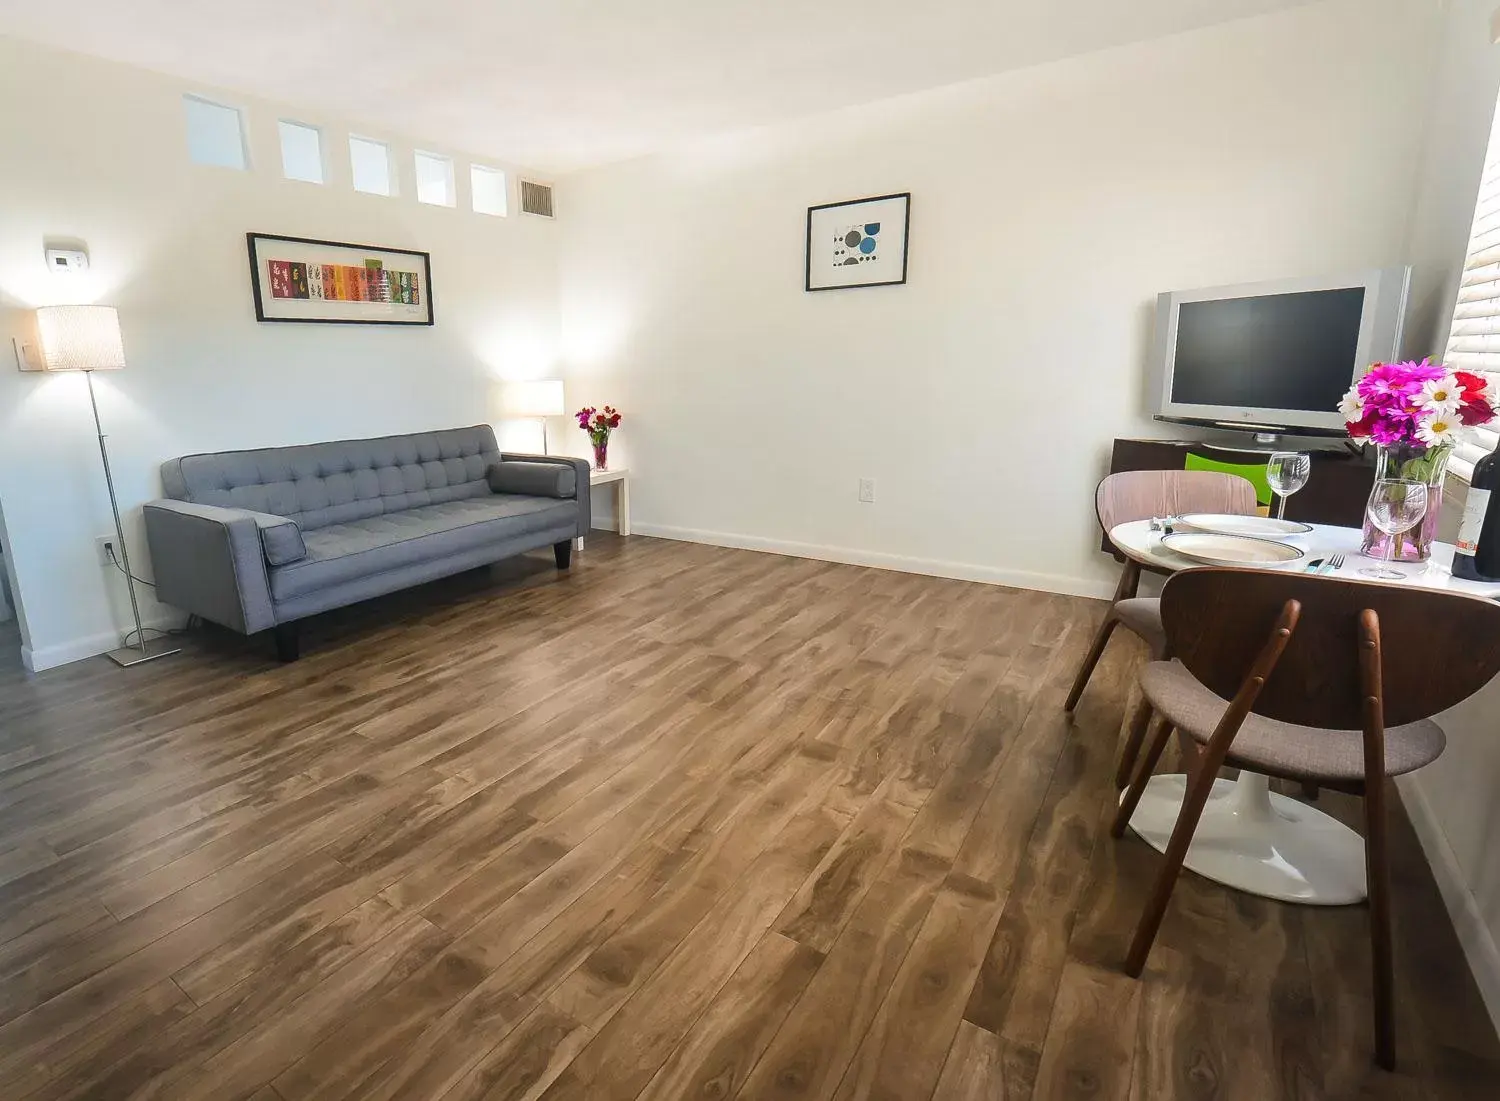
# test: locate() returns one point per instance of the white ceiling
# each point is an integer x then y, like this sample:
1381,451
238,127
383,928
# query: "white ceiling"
563,84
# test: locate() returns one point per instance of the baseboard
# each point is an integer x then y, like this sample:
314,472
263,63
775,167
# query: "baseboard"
932,567
40,659
1473,934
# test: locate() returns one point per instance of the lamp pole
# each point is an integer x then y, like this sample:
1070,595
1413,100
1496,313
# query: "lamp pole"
126,655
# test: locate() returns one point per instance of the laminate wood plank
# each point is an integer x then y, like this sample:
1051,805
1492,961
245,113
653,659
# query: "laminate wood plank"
817,912
24,858
810,1052
255,1059
543,888
129,1025
176,1050
617,790
1090,1047
633,1038
904,1048
974,1069
451,1046
717,1052
44,1004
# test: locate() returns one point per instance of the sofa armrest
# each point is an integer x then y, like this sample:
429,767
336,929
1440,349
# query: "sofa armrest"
580,481
211,562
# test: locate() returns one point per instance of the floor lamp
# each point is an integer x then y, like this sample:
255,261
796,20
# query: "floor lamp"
87,339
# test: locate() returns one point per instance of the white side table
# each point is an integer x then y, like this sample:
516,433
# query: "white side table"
620,477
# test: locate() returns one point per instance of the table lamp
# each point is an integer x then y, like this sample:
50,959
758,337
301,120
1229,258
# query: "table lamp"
539,398
87,339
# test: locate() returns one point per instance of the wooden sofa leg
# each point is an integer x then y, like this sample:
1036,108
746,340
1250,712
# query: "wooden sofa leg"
287,642
563,552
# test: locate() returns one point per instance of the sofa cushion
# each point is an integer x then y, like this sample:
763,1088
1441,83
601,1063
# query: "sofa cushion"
342,552
280,539
322,484
533,479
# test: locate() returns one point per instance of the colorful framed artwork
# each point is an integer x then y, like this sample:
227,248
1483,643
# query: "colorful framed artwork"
859,243
302,279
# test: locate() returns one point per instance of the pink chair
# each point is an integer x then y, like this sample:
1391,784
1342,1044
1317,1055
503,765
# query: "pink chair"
1142,495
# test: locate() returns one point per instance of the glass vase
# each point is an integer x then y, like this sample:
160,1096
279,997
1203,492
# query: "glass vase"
1415,463
601,454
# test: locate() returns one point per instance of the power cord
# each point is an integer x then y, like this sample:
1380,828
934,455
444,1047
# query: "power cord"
164,632
158,632
109,551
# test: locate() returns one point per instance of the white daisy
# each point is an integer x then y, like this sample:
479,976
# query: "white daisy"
1352,406
1437,429
1441,395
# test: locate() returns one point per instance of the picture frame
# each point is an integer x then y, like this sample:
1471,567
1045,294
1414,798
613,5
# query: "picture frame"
311,281
858,243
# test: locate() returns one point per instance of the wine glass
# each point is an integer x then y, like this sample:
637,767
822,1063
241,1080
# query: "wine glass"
1396,505
1287,472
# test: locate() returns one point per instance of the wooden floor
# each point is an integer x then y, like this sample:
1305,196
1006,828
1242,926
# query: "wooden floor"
685,822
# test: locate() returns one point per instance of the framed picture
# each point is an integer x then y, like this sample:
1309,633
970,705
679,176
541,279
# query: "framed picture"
302,279
859,243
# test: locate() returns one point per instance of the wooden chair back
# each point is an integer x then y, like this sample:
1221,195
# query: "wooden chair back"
1439,647
1143,494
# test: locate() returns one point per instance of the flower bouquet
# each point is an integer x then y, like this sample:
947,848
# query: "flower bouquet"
1413,413
599,425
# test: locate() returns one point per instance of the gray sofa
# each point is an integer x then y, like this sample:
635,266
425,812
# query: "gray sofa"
257,540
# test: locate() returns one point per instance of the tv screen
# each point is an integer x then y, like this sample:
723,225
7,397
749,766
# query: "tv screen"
1275,351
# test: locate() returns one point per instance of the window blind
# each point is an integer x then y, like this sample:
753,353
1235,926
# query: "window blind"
1474,339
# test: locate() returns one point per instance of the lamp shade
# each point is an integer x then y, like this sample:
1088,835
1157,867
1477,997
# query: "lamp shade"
80,338
533,398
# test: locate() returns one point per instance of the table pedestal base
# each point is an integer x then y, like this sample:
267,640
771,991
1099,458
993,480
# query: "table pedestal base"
1258,842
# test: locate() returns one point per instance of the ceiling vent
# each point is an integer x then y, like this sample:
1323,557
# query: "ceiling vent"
536,198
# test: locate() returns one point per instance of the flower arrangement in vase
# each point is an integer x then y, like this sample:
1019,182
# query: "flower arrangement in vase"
1412,413
599,425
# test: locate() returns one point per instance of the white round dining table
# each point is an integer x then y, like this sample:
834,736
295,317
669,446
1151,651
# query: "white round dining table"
1249,837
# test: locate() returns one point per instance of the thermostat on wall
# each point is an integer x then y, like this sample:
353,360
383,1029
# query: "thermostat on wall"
60,259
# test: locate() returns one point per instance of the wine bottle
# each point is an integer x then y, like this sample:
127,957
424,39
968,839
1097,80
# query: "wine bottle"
1476,557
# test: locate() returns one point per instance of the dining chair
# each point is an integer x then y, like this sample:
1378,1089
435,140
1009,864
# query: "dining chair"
1284,674
1142,495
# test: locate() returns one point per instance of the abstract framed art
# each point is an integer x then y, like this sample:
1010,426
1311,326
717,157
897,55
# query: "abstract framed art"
329,282
858,243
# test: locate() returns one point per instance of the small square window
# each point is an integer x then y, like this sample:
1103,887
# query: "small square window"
487,189
215,133
434,179
370,161
301,152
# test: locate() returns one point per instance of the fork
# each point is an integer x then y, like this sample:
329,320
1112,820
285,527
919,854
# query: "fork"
1335,564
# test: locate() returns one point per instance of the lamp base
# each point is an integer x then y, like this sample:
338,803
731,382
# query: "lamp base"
135,655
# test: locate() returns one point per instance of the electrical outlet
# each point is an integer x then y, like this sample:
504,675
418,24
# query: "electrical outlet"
104,546
867,490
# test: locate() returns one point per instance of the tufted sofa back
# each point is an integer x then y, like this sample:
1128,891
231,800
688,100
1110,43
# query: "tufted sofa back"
333,483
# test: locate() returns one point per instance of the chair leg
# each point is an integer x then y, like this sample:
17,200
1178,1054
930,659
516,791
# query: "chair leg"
1133,739
1132,798
1200,786
1378,880
1081,681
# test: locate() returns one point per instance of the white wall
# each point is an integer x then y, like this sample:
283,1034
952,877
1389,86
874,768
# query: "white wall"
95,150
1050,207
1455,802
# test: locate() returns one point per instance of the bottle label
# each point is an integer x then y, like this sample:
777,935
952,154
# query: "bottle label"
1475,506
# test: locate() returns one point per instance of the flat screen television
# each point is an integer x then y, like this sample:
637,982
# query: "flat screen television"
1274,357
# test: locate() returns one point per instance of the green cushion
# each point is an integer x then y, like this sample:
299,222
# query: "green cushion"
1254,473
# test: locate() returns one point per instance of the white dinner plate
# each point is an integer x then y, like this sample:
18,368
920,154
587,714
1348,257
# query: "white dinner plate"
1231,550
1262,527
